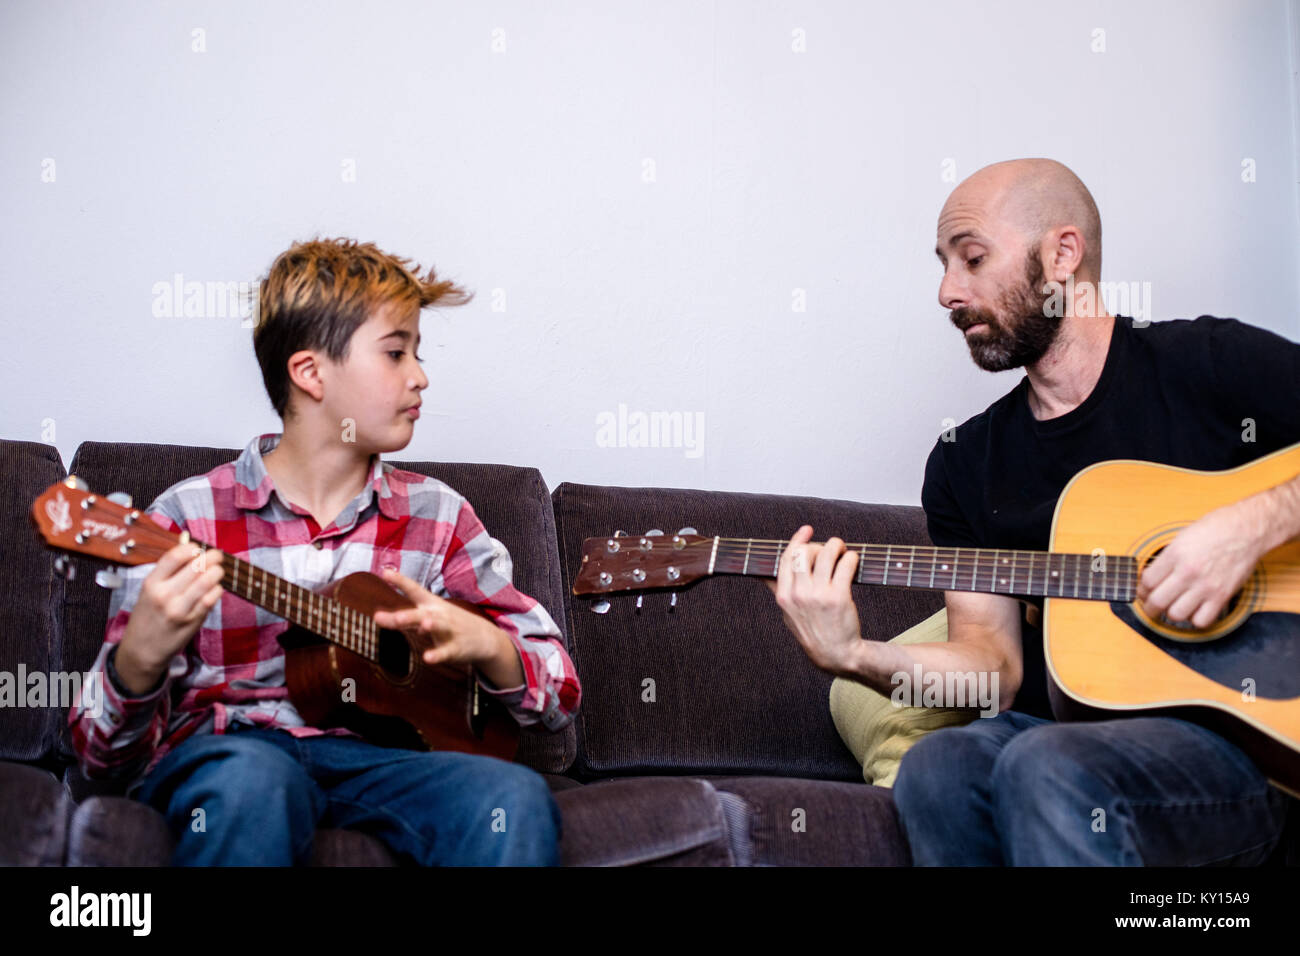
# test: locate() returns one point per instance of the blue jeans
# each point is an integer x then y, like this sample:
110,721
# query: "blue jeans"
1022,791
263,792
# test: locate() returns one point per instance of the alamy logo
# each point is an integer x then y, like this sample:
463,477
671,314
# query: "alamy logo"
102,909
946,689
61,689
221,299
638,429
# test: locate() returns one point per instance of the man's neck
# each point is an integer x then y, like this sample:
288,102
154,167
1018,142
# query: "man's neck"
318,473
1065,376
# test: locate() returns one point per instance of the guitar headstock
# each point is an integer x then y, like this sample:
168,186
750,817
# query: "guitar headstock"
641,562
72,518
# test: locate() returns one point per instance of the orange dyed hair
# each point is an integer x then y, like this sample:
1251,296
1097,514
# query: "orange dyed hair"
317,293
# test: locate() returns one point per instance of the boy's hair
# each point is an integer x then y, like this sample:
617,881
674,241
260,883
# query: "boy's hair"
317,293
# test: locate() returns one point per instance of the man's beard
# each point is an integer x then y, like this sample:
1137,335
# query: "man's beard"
1024,334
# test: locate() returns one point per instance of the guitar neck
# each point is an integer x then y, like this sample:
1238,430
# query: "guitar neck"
1092,577
72,518
318,613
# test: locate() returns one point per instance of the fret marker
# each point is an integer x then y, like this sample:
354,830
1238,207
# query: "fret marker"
943,567
1004,580
898,564
1053,574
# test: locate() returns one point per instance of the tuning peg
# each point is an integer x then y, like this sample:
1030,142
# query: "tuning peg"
688,530
63,566
672,603
600,607
72,481
121,498
652,532
620,534
109,577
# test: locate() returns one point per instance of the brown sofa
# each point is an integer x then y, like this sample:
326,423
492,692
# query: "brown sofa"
704,736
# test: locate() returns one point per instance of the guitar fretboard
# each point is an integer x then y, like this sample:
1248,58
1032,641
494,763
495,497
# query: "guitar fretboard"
318,613
1092,577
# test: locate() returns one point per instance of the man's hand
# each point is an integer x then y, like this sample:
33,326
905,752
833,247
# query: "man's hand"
812,590
458,636
1195,575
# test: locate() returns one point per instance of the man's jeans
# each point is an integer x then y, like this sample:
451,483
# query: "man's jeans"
1022,791
263,793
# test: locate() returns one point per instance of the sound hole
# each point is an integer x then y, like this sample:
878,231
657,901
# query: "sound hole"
1229,606
394,654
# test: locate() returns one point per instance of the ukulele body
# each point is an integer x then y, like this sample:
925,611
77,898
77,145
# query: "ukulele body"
398,701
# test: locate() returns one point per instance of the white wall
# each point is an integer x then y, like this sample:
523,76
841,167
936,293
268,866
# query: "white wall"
523,170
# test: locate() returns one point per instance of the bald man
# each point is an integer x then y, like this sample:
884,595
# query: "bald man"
1020,245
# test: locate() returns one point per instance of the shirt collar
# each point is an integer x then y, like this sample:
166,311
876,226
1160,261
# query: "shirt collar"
253,483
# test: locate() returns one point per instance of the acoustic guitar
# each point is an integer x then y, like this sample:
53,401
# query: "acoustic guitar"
1106,657
394,698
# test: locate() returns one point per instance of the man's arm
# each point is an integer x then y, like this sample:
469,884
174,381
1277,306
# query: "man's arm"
1277,512
813,594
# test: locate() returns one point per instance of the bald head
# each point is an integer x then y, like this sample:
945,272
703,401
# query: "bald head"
1033,197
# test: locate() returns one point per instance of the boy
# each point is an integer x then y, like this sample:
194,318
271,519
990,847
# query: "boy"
196,711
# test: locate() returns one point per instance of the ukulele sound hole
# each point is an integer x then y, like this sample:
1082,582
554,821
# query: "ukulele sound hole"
1229,606
394,654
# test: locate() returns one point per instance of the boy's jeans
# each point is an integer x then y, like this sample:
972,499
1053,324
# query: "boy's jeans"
1022,791
263,793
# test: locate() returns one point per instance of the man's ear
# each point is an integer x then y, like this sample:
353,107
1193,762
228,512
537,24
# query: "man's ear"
305,372
1063,252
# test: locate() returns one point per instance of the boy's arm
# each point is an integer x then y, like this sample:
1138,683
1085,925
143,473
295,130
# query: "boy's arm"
477,568
113,733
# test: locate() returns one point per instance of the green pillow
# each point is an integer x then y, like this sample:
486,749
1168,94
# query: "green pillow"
877,731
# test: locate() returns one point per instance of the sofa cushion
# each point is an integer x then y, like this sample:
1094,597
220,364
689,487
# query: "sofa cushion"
29,632
716,684
818,822
656,821
513,504
879,731
34,812
115,831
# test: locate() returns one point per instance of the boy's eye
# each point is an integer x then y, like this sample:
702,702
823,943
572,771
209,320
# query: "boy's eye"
397,356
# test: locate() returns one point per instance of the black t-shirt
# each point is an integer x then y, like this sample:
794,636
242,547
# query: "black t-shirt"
1207,394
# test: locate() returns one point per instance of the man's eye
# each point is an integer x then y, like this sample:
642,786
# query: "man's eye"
973,262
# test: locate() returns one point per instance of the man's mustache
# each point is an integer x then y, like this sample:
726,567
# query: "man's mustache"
966,318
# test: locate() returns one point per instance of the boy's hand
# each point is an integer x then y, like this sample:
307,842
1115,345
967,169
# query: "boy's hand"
458,636
174,600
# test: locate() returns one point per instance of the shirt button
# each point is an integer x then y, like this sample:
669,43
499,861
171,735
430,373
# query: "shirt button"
318,545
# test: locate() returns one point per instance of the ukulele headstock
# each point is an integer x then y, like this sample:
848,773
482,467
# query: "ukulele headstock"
72,518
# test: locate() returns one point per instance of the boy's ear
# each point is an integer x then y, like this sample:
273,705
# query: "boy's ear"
305,372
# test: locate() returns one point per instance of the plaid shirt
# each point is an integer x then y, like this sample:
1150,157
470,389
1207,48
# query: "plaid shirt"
233,668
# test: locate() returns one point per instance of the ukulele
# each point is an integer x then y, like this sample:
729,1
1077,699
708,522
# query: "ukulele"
394,698
1106,657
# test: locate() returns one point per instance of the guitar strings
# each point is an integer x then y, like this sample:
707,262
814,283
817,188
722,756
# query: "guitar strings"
878,556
